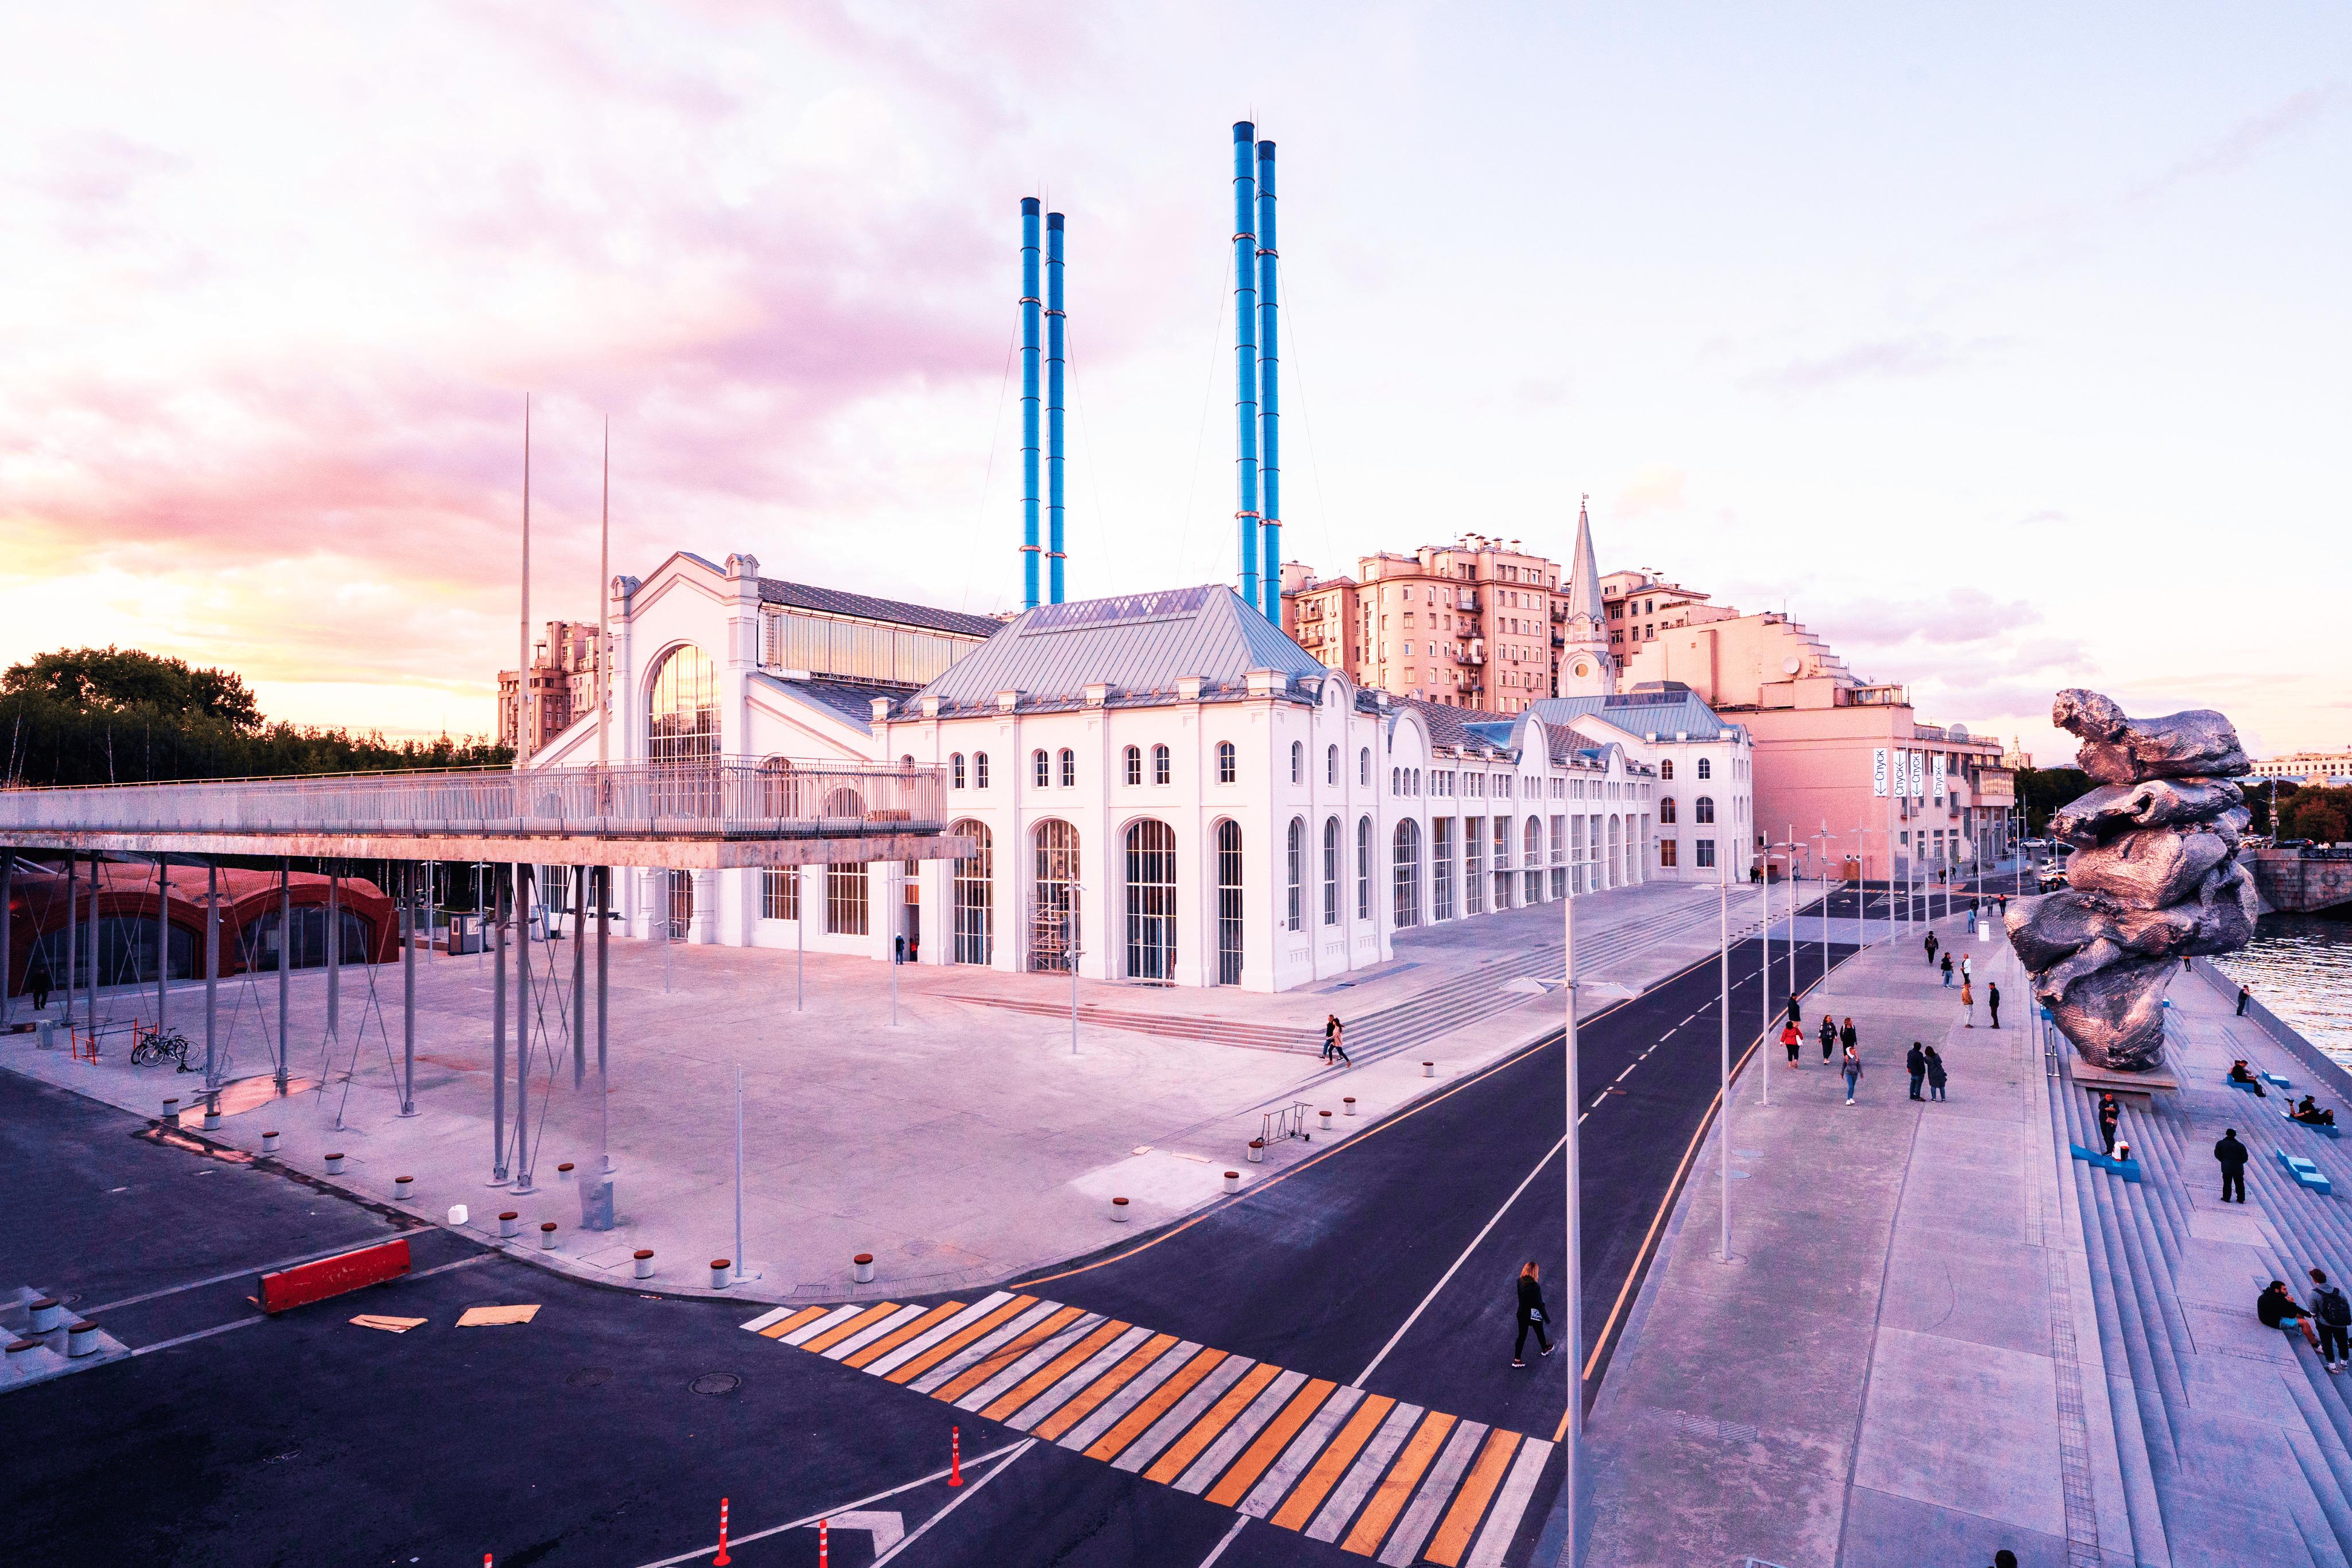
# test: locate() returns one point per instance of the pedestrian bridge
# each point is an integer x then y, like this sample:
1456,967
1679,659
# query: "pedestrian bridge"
729,812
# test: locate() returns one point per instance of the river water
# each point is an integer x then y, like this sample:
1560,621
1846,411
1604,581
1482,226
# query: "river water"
2300,967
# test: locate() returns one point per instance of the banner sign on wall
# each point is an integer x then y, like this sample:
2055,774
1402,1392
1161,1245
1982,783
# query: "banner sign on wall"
1878,771
1941,776
1918,776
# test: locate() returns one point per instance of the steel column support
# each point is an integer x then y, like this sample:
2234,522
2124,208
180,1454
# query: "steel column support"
162,940
579,976
603,992
408,992
285,965
212,983
334,956
89,968
522,1029
8,929
497,933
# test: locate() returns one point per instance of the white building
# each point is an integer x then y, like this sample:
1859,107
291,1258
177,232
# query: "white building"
1165,782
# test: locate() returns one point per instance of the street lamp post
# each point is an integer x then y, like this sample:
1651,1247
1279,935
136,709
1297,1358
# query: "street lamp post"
1723,1019
1572,1283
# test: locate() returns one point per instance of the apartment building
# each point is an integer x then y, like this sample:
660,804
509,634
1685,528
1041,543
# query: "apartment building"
1641,604
562,683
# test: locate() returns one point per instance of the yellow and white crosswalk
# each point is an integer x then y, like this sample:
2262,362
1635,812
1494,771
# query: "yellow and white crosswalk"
1375,1477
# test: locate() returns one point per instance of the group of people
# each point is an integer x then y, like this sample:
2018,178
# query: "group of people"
1966,969
1831,1036
2326,1324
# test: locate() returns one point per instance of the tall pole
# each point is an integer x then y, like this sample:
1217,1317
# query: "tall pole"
1573,1271
497,933
1245,509
1071,942
523,736
523,1027
285,964
73,931
740,1272
604,994
8,931
334,959
578,978
1269,392
1723,1019
604,611
408,992
800,934
211,984
1763,996
89,969
162,943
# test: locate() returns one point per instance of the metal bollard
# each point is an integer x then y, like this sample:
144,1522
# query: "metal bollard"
403,1189
861,1268
1323,1123
1257,1151
720,1268
563,1171
20,1356
334,1165
645,1262
81,1339
1350,1104
547,1236
1119,1211
212,1117
171,1109
509,1225
268,1143
47,1313
1428,1070
1233,1181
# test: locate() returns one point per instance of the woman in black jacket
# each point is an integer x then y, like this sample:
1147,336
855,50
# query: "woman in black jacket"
1828,1037
1531,1314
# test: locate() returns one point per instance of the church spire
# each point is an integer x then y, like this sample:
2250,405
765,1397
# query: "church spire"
1586,668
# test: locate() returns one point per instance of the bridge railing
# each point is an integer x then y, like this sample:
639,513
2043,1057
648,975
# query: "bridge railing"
729,798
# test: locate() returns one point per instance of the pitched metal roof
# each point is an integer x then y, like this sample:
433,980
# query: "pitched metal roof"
1138,644
848,701
864,607
1661,713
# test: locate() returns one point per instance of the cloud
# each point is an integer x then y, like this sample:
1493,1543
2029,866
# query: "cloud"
2239,146
1913,357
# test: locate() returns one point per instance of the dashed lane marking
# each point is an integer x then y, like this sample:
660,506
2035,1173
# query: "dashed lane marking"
1309,1455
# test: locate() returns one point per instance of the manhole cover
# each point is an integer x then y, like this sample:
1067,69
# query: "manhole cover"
588,1377
716,1383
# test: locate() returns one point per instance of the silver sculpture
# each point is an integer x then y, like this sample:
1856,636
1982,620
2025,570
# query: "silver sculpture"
2155,876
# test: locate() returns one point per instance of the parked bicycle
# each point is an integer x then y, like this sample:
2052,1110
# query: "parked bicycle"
154,1046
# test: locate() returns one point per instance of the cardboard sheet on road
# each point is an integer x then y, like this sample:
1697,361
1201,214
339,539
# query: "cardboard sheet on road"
390,1325
494,1317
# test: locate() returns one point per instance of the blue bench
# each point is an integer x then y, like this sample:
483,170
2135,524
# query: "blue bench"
2305,1173
2128,1169
2323,1128
2276,1082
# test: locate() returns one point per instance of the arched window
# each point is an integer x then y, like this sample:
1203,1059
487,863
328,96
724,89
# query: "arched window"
682,735
1226,772
1666,768
1159,764
1666,811
1294,914
1364,766
1069,769
1229,902
1298,762
1531,859
1151,901
975,897
1407,877
1041,767
1396,781
1363,868
980,769
778,795
955,771
1706,768
1331,765
1133,758
1053,896
1331,866
1702,808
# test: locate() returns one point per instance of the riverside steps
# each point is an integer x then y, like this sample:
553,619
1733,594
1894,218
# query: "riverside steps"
1942,1334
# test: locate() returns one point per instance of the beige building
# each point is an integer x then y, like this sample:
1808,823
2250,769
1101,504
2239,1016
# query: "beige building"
1480,623
1641,604
2307,767
562,683
1836,756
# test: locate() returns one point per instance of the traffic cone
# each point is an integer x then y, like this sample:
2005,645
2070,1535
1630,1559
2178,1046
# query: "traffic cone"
824,1547
955,1456
722,1559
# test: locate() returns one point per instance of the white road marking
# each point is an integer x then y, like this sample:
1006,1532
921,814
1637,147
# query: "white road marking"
830,1512
239,1273
1629,1068
1224,1540
1365,1376
962,1497
200,1333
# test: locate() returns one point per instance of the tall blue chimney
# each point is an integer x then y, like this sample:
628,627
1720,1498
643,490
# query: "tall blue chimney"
1029,209
1056,350
1245,351
1269,377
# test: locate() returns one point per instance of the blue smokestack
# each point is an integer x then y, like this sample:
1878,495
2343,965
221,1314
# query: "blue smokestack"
1269,377
1057,347
1029,208
1245,351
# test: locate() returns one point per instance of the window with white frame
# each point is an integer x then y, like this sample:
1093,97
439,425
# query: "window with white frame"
1298,762
1069,769
955,771
1132,761
1331,765
980,769
1041,768
1295,885
780,892
1706,768
1331,871
1226,771
1159,764
1702,808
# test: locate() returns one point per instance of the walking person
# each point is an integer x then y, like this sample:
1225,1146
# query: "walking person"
1918,1063
1992,1000
2231,1154
1968,968
1935,1074
1847,1037
1969,1004
1972,919
1531,1314
2110,1114
1793,1041
1947,970
1334,1051
2244,995
38,983
1828,1037
2335,1315
1930,945
1851,1067
1796,1014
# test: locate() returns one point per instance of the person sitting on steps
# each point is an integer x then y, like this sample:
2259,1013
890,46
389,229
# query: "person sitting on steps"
2309,1111
2279,1310
2241,1073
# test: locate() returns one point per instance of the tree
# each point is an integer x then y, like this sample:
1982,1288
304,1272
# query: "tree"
2321,814
120,680
2042,790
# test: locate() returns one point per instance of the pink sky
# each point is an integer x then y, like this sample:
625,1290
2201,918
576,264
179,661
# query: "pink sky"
2004,350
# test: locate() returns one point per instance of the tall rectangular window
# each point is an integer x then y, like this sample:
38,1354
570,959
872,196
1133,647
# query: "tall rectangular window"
1705,855
1473,864
1441,869
780,892
1502,826
845,900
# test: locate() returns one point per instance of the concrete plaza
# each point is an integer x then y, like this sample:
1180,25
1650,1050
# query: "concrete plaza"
961,1146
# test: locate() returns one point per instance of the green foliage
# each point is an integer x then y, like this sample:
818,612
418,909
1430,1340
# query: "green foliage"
2317,812
97,715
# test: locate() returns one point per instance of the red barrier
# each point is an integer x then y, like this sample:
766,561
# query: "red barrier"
308,1282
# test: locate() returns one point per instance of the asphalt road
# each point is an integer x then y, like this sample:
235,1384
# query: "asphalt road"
580,1437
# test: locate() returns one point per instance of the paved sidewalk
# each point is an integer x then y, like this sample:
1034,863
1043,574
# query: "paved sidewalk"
961,1148
1902,1362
